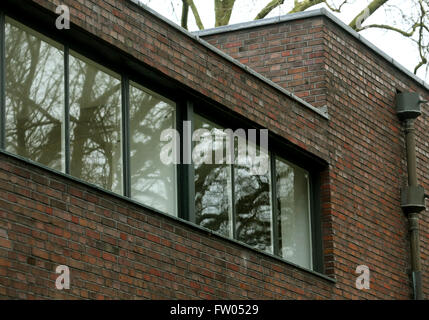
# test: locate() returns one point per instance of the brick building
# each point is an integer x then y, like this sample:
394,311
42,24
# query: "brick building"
82,184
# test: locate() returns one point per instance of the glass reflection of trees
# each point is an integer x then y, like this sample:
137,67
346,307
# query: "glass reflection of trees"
214,187
253,205
152,182
35,109
95,124
34,96
35,100
293,206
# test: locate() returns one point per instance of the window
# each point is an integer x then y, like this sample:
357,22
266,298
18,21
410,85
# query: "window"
76,116
34,96
152,182
95,124
231,199
293,205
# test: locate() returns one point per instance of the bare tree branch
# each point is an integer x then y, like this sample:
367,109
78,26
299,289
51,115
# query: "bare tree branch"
416,17
391,28
333,9
223,11
196,14
423,59
304,5
366,13
268,8
298,6
185,11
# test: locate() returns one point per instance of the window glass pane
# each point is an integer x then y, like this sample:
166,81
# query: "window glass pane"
153,183
253,203
95,124
294,213
213,188
34,96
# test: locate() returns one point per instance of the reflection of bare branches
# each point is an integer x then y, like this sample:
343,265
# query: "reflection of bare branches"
153,183
211,200
213,203
35,102
34,97
95,115
253,208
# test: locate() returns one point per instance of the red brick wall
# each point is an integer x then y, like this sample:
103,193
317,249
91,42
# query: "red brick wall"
367,158
290,54
116,249
361,89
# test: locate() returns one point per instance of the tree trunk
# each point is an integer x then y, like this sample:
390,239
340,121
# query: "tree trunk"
223,11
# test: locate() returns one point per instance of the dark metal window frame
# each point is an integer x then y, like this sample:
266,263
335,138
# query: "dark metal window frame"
278,147
186,100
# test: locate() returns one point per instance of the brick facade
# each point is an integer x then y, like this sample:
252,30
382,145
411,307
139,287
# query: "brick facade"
119,250
325,65
290,54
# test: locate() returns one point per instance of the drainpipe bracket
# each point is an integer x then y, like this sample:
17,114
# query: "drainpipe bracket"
408,105
413,199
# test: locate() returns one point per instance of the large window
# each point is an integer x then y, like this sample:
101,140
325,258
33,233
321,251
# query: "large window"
74,115
236,201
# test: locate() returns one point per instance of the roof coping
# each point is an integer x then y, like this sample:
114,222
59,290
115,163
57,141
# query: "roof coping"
323,111
310,14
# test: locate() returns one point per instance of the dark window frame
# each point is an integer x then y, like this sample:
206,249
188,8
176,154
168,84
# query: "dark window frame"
130,69
278,147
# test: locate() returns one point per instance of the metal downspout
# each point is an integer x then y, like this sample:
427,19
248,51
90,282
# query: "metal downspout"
413,215
412,196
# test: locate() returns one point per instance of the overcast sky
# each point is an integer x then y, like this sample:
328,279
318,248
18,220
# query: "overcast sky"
395,45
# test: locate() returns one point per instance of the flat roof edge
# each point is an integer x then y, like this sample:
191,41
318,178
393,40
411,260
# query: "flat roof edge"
311,14
262,22
323,111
